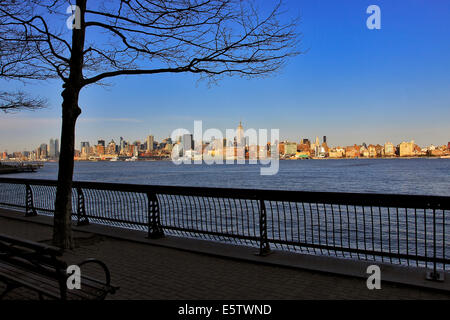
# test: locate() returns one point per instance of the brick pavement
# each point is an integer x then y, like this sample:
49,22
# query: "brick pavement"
151,272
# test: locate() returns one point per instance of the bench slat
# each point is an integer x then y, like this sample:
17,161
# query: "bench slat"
32,245
44,258
23,279
37,267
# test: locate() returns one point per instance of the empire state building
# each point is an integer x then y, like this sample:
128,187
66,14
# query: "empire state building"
240,139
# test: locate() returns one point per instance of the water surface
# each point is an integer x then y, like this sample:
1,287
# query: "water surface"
402,176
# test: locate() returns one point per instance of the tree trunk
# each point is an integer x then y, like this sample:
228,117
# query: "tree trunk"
62,231
62,223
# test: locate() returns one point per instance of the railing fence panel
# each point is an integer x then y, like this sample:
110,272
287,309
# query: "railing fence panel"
397,229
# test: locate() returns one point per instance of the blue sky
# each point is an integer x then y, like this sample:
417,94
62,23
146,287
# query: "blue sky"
353,85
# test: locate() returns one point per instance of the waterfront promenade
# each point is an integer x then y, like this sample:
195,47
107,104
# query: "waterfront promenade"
146,271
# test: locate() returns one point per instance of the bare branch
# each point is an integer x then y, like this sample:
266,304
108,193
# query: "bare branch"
11,102
210,37
135,37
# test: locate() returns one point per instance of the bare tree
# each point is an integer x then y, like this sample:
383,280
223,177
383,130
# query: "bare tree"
13,55
13,101
211,38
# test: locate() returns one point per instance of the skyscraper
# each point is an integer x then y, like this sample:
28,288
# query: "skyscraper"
53,149
111,148
84,145
317,147
150,140
121,144
43,151
56,148
188,142
240,139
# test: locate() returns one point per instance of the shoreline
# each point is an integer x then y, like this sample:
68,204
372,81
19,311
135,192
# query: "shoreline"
43,162
313,158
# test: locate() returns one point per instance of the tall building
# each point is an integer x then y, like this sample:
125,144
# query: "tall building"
56,148
43,151
324,139
240,139
150,141
51,149
316,147
188,142
85,148
101,143
111,148
84,145
122,144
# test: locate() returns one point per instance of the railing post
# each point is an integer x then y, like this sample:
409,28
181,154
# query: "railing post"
82,219
29,205
155,230
264,247
434,275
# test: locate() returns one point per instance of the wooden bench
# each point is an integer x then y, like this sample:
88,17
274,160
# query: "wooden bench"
38,267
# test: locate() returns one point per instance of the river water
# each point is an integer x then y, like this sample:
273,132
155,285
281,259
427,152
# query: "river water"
406,231
400,176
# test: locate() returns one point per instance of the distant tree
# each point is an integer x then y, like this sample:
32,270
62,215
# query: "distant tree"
211,38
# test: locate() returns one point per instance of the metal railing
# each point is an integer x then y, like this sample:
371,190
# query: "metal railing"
399,229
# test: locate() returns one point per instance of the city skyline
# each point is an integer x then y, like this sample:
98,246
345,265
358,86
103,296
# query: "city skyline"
156,138
351,83
149,145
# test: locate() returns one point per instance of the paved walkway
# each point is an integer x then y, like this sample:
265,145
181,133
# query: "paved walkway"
151,272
